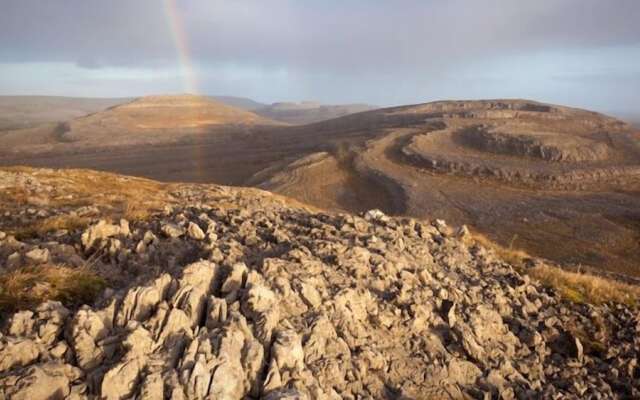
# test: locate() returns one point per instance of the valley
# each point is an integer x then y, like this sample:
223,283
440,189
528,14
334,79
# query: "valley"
525,174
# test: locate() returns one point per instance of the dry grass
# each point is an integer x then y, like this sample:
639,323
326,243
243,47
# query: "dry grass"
116,196
586,288
136,210
50,224
513,256
27,287
572,286
16,196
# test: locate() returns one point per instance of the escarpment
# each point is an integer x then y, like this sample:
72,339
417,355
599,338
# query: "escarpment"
525,143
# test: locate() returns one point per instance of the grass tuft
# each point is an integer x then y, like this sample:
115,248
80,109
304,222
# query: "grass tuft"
586,288
27,287
575,287
135,211
50,224
513,256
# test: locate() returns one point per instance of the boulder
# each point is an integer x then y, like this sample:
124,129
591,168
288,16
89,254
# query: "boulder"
37,256
195,232
172,230
102,230
86,331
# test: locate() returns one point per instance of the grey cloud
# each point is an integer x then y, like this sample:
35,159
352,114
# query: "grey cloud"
383,52
325,35
116,32
378,35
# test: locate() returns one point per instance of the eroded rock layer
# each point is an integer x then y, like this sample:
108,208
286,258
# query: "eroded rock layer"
524,142
232,294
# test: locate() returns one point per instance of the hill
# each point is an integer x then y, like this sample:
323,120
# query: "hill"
631,117
308,112
17,112
239,102
174,112
131,288
151,119
528,175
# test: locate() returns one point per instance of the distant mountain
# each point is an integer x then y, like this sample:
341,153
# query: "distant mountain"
19,112
308,112
150,119
28,111
633,117
239,102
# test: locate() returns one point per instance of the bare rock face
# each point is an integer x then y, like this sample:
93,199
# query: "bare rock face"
103,230
18,353
278,303
44,381
548,146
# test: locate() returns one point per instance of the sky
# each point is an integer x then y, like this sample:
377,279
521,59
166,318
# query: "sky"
582,53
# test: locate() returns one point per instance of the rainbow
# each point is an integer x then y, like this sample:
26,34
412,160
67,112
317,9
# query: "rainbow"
181,42
187,70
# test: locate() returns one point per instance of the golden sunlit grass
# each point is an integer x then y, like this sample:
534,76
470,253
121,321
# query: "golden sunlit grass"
572,286
116,196
136,211
586,288
513,256
27,287
50,224
131,201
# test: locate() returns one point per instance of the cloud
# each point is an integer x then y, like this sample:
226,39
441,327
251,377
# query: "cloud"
360,50
344,35
116,32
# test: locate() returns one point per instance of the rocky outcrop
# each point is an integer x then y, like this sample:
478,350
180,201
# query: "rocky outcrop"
548,159
103,230
546,146
256,299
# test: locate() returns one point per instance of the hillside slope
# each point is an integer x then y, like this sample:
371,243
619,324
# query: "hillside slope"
17,112
243,103
308,112
235,293
526,174
151,119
